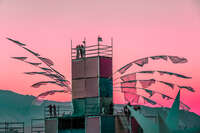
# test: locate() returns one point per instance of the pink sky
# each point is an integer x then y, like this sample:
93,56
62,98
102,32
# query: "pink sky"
139,28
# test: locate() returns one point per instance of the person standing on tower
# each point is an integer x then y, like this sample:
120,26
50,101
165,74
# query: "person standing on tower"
82,51
77,51
54,110
50,110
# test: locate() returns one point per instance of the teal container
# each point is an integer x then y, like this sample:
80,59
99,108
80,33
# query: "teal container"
79,107
107,124
92,105
106,87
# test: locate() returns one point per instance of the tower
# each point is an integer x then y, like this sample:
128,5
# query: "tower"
92,90
92,87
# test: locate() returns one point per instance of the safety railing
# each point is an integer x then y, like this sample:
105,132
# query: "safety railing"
91,51
37,126
52,111
15,127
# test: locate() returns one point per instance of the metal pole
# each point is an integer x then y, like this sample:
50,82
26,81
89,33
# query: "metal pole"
98,44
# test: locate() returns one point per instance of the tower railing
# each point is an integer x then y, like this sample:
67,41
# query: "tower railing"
59,111
7,127
37,126
93,50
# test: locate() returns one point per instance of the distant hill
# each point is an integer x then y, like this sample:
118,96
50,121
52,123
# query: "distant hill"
15,107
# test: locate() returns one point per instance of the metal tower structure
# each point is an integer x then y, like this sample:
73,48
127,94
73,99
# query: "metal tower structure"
92,90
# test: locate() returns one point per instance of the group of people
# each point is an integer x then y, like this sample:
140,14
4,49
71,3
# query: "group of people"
52,110
80,51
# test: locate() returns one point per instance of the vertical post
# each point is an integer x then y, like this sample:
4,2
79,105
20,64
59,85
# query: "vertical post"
84,61
112,68
71,73
98,77
71,49
98,44
112,52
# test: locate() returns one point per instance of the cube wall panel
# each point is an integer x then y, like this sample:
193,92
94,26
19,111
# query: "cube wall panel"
91,67
105,67
92,87
93,125
77,69
79,106
92,106
106,87
51,126
78,90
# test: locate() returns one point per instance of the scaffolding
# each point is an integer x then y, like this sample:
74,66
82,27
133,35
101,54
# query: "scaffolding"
37,126
9,127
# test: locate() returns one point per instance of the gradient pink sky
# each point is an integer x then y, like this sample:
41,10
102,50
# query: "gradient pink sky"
140,28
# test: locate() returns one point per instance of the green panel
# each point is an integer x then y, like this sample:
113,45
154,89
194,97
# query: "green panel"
106,87
79,107
92,106
107,124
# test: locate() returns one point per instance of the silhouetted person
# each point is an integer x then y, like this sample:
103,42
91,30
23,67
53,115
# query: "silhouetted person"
54,110
77,51
126,110
111,108
82,51
50,110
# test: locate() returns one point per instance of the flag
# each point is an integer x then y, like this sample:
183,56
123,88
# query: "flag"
169,84
33,73
147,83
46,69
165,96
176,59
181,76
148,72
35,64
20,58
37,85
17,42
164,72
188,88
124,68
36,54
128,77
100,39
53,76
51,92
149,101
164,57
151,93
175,74
128,84
46,61
141,62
